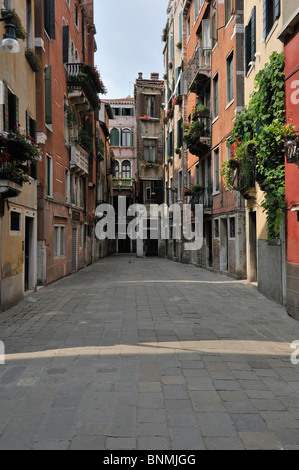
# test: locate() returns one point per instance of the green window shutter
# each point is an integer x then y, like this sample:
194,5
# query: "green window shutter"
65,40
181,26
49,17
277,9
253,34
48,95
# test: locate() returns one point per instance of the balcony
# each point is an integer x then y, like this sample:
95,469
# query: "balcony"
204,198
81,89
197,136
79,160
122,184
198,73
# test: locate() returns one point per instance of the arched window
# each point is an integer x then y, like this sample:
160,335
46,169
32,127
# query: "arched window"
116,169
126,138
126,169
114,138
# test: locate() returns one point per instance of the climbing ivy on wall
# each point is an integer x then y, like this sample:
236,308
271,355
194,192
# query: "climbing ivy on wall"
263,123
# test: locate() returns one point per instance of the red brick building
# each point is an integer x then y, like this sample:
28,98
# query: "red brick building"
67,94
290,37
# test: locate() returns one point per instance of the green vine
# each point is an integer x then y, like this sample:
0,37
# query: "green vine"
263,126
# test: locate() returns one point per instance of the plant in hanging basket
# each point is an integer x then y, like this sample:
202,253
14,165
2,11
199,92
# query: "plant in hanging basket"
20,31
179,45
197,188
33,60
178,151
187,192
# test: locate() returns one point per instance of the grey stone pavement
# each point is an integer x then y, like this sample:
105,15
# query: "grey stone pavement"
148,354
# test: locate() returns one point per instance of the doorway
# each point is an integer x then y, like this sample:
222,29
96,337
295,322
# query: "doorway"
29,254
252,272
223,245
74,247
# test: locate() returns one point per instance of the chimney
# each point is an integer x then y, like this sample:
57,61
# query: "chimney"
154,76
140,76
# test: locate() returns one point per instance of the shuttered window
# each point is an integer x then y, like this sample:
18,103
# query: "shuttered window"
10,110
114,138
250,40
49,18
271,13
48,95
66,43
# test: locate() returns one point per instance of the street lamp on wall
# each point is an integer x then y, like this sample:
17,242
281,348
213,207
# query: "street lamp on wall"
9,43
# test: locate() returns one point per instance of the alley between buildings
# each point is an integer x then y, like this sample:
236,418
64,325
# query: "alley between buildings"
148,354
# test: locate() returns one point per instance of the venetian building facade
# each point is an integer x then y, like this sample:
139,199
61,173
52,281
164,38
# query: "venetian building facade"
19,158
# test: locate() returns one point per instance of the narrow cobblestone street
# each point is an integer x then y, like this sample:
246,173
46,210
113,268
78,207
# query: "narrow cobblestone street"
148,354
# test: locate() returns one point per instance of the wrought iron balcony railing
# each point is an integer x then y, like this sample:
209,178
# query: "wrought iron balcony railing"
79,79
199,68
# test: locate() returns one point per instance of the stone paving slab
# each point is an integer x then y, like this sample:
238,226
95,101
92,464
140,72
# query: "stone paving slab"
147,354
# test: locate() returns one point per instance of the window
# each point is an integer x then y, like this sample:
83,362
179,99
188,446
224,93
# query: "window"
65,43
180,133
195,9
126,169
180,185
67,186
230,78
15,221
214,25
232,227
271,13
29,23
250,41
150,106
10,110
116,170
228,5
181,26
216,171
76,15
216,228
114,138
49,176
215,96
81,235
49,18
48,95
59,241
126,138
150,150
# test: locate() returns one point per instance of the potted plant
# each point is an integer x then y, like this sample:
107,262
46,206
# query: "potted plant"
197,188
179,45
33,60
18,152
178,151
187,192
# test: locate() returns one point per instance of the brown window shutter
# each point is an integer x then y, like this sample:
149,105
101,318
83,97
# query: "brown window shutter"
142,104
158,106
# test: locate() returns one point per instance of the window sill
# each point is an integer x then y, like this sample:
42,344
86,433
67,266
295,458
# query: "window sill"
215,119
229,104
271,32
